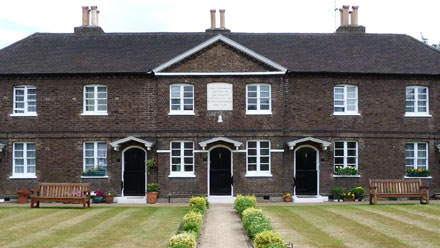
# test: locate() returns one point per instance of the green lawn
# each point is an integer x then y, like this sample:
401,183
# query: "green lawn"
358,225
93,227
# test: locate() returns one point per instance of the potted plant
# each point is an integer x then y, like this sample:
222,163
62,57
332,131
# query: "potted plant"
99,196
109,196
96,172
358,192
152,192
22,196
411,172
338,193
287,197
349,196
349,170
151,163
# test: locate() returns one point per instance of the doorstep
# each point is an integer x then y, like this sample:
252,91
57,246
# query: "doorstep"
221,199
309,199
131,199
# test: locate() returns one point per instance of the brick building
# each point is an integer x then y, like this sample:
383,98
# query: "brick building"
225,113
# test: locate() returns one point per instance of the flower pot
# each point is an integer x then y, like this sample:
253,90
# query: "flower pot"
421,174
152,197
287,199
349,199
22,199
98,199
96,173
437,196
109,198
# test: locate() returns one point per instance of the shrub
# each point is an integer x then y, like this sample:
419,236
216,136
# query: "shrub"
153,187
183,239
253,217
193,217
197,201
244,202
251,211
198,208
338,192
258,227
180,246
277,246
251,197
206,200
359,192
193,227
266,238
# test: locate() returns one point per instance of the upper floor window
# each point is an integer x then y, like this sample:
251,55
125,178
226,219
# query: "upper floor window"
258,158
417,101
346,157
182,158
24,160
25,101
95,100
346,100
95,157
181,99
258,99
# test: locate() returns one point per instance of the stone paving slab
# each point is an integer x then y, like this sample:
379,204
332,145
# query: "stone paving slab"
222,229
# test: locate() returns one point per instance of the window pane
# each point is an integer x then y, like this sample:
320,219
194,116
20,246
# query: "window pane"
252,151
264,152
252,160
252,167
339,161
176,160
31,169
339,152
409,154
19,161
252,88
252,144
188,160
188,153
351,160
188,145
19,169
409,162
188,167
339,144
175,167
264,88
175,152
175,145
264,160
351,144
264,167
264,107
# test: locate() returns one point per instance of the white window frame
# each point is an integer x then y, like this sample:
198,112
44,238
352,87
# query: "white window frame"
182,100
345,156
416,155
258,172
345,100
26,101
416,100
95,155
258,111
182,172
95,98
25,158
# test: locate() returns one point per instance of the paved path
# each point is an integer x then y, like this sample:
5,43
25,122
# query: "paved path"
222,229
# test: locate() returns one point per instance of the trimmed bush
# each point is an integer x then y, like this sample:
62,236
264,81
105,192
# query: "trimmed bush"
256,228
263,239
276,246
198,208
253,217
251,211
251,197
244,202
193,217
197,201
206,200
180,246
192,227
183,239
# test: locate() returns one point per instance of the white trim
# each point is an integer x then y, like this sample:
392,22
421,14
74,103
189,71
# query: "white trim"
346,175
276,150
94,113
123,167
24,114
324,144
209,169
226,40
260,174
200,151
205,143
182,175
94,177
219,73
23,177
234,151
189,112
410,114
436,145
117,143
428,177
95,99
317,167
258,112
163,151
346,114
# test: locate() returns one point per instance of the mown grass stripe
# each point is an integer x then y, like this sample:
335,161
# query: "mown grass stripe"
314,236
420,211
28,237
287,233
357,231
22,215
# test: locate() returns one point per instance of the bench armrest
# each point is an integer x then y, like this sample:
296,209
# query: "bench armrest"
87,193
424,189
35,191
373,189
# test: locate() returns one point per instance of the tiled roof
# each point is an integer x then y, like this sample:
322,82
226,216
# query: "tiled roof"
141,52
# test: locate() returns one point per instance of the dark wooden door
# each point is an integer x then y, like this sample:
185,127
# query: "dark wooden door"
220,172
306,173
134,172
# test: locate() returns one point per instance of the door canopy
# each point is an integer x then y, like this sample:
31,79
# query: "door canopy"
324,144
117,143
235,143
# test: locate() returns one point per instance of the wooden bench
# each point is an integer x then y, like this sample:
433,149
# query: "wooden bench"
61,192
384,188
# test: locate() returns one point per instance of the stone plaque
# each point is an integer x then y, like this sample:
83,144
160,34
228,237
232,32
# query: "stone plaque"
219,96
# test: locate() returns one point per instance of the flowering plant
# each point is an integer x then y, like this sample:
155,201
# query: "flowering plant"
99,193
359,192
349,195
287,195
23,192
349,170
151,163
417,172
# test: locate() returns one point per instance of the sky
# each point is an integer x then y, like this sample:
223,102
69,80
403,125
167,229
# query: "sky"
21,18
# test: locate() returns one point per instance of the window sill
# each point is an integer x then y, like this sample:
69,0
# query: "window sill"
346,114
94,113
258,175
183,175
418,115
94,177
346,175
23,115
23,177
258,112
428,177
181,113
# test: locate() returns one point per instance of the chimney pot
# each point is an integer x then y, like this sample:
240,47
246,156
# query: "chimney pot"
85,16
222,19
355,15
213,18
94,15
345,15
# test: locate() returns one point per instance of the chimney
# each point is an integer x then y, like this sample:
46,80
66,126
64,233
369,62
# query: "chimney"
213,18
86,28
222,19
85,16
353,26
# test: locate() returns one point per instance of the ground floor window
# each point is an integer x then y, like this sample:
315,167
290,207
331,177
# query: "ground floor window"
258,157
24,159
416,159
95,157
346,158
182,158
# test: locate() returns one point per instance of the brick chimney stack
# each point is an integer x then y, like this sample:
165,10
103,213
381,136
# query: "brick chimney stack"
86,27
213,27
349,20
